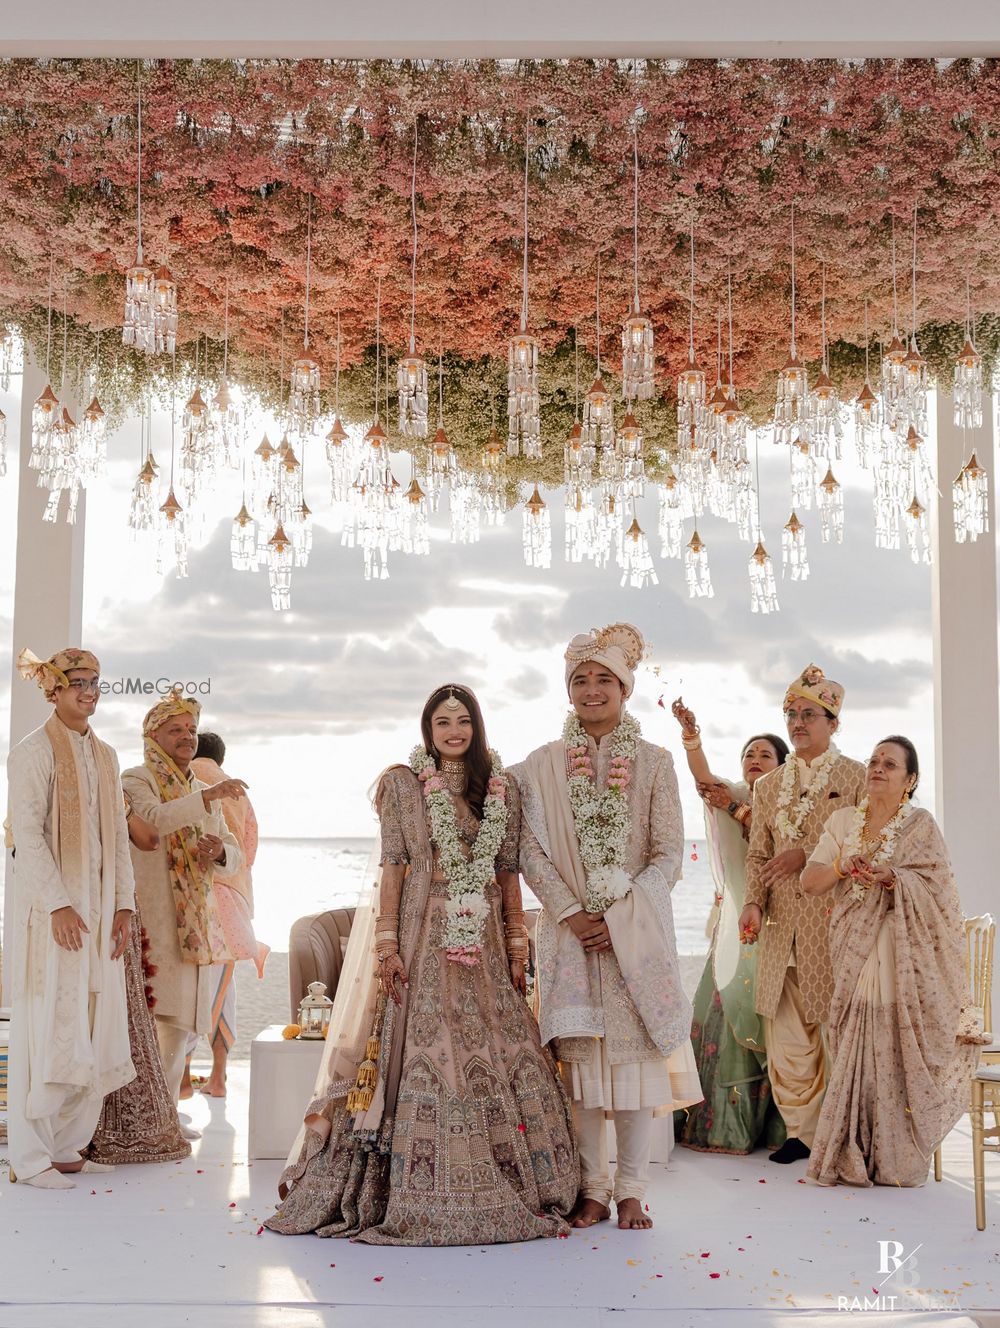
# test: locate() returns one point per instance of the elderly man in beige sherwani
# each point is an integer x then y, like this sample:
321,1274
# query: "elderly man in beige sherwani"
601,847
174,882
791,806
73,905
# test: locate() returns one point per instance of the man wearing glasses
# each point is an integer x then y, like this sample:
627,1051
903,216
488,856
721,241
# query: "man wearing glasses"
73,901
791,806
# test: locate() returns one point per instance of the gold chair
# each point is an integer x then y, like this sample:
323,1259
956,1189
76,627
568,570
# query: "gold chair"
980,935
985,1093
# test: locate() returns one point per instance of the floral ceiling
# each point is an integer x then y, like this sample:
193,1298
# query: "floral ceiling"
233,152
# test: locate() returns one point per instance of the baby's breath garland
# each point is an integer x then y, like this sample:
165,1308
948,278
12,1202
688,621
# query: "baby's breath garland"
467,878
602,820
790,827
856,840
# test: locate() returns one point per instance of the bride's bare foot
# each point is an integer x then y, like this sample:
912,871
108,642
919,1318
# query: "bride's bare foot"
588,1212
631,1216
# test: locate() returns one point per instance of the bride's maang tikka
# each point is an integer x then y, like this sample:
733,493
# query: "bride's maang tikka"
451,701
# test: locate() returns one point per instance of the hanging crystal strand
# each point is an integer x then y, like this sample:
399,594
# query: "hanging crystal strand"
790,408
579,454
636,560
138,328
173,536
889,473
493,476
411,375
536,532
414,521
971,500
630,462
691,382
279,569
46,410
524,430
867,412
763,591
637,333
443,467
696,569
803,469
263,475
968,392
893,357
580,526
224,419
670,523
197,460
142,508
93,429
3,444
913,402
598,412
340,454
794,556
831,509
825,427
9,357
304,398
732,467
375,526
918,536
59,466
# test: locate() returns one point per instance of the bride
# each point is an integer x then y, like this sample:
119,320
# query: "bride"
454,1129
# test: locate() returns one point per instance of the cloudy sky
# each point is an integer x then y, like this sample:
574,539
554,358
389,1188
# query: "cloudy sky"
315,702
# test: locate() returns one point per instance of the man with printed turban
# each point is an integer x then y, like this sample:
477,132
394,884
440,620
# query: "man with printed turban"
601,847
174,881
791,806
73,905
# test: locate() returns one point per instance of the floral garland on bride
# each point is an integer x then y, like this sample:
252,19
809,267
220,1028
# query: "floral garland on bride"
601,820
854,843
790,827
467,878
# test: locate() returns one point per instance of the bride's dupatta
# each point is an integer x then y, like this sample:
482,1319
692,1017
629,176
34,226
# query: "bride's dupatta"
361,1015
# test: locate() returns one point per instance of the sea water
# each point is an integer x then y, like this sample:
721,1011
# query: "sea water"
295,877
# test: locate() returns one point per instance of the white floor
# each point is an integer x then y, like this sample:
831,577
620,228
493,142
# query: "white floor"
737,1241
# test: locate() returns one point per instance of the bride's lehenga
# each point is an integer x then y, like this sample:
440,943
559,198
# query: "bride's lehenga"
138,1121
475,1144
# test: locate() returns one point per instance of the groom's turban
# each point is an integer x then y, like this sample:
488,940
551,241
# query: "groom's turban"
619,648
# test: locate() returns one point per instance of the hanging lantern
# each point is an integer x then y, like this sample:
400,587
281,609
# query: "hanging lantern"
580,525
893,358
279,569
971,499
173,537
8,357
831,509
692,389
968,391
537,532
578,458
304,397
414,522
93,448
598,416
794,558
263,473
867,421
637,356
524,430
375,524
138,327
913,398
3,444
411,383
696,569
918,536
44,414
243,542
466,508
825,426
444,466
637,561
790,409
670,525
224,421
493,480
142,510
763,591
164,302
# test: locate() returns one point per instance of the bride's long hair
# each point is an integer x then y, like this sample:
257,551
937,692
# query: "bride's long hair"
477,758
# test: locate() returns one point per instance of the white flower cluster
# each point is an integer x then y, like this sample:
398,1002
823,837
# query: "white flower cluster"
853,844
467,878
790,827
601,819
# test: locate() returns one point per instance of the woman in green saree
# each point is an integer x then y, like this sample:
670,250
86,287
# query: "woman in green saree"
727,1034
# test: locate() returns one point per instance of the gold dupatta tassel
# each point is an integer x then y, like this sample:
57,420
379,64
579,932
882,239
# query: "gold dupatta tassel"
359,1099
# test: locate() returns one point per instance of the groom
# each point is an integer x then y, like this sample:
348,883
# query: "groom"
601,845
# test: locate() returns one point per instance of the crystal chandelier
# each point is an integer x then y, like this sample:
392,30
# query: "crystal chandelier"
580,526
304,399
8,357
93,447
164,300
536,532
790,408
493,480
302,534
224,417
696,570
867,411
339,452
913,396
637,562
142,508
971,500
794,558
411,376
243,541
442,465
831,509
3,444
598,411
691,382
670,525
466,509
763,591
263,474
803,473
893,355
279,569
414,522
524,429
968,392
918,536
825,426
150,322
173,537
637,334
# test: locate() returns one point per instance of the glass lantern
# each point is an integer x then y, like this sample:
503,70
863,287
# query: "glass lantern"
315,1011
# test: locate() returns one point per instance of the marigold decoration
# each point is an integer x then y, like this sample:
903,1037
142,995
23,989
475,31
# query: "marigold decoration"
831,509
763,591
637,334
794,557
971,501
290,1032
696,569
524,430
536,532
636,560
790,409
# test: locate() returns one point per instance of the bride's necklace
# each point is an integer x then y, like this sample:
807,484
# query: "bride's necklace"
455,778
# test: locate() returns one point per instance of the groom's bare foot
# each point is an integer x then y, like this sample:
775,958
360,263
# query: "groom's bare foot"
187,1088
588,1212
214,1087
631,1216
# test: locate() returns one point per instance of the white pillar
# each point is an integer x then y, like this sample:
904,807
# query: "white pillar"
48,596
966,703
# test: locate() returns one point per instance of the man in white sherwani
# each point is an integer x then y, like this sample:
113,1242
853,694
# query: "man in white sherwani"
601,845
73,905
174,882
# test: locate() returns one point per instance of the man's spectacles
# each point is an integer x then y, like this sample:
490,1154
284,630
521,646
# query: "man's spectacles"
82,685
805,716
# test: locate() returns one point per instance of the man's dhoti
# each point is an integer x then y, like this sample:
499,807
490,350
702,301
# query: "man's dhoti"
797,1063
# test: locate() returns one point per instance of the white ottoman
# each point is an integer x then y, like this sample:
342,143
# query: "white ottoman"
282,1076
